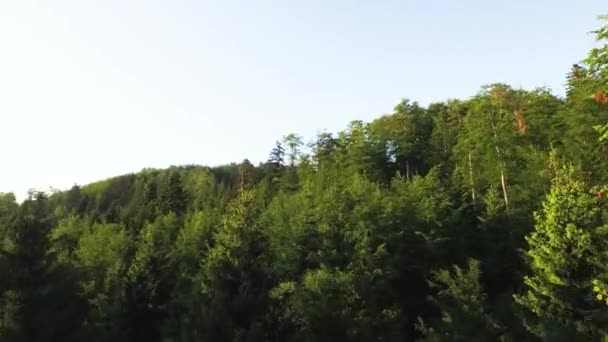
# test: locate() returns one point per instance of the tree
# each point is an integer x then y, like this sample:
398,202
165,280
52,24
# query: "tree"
447,122
37,288
150,277
597,67
566,250
323,148
10,297
191,247
488,140
294,143
172,197
277,155
246,174
585,117
591,78
360,151
404,137
463,305
321,307
235,277
101,258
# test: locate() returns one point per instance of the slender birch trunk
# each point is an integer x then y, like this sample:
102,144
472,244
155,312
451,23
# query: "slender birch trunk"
473,194
503,178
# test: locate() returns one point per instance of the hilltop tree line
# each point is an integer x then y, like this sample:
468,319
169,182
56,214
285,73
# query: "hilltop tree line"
483,219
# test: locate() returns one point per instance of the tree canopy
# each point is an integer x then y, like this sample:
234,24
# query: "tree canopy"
479,219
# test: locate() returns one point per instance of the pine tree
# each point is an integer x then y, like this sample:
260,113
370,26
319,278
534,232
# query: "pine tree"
277,155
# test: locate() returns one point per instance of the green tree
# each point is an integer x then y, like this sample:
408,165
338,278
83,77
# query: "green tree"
464,309
447,122
565,253
191,247
294,143
172,197
101,258
585,118
404,137
36,288
277,155
150,277
235,277
10,298
320,308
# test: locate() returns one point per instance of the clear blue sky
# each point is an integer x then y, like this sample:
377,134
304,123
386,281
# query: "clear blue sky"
92,89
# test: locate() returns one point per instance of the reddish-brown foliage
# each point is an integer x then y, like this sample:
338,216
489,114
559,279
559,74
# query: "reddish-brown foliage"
601,97
522,124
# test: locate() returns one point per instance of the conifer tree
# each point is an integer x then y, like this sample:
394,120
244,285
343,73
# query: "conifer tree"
277,155
565,250
235,277
464,309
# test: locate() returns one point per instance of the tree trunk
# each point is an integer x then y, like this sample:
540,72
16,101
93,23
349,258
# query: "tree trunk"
503,178
473,194
505,188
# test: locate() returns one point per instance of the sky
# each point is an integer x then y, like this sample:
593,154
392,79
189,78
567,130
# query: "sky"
94,89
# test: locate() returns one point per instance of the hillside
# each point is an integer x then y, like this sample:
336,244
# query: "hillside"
480,219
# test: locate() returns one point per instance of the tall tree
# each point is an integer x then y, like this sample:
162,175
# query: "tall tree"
277,155
101,258
294,143
235,278
150,277
565,250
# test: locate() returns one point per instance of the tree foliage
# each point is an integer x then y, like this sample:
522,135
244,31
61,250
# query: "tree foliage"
482,219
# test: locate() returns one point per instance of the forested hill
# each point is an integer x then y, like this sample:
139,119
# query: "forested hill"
482,219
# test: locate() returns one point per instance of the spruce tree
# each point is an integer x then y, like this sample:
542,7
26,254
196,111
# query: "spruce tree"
565,250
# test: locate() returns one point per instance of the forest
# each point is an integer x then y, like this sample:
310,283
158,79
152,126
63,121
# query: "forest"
482,219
